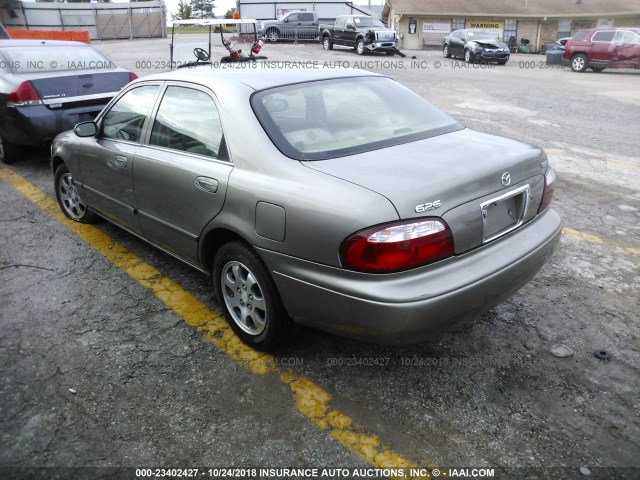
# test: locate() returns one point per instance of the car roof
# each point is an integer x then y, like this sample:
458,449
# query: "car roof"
40,43
600,29
256,78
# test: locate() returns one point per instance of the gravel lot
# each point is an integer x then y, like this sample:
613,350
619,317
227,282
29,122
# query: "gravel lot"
150,390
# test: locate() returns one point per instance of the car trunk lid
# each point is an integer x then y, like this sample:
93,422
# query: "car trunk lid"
92,86
456,176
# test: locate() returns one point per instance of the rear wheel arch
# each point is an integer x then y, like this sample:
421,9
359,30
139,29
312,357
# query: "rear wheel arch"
212,241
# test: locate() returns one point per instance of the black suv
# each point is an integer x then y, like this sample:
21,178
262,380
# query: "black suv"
475,45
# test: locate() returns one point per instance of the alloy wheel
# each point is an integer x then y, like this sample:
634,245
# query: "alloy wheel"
244,298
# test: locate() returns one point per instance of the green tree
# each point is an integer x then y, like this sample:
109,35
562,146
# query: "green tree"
202,8
229,13
184,11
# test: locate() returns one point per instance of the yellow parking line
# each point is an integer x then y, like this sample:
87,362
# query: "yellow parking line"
587,237
309,399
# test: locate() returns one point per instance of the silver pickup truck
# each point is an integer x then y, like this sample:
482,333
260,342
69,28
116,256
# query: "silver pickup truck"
364,33
296,25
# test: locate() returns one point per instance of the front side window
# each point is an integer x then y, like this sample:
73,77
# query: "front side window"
187,120
339,117
125,120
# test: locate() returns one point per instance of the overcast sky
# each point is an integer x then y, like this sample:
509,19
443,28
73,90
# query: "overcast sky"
220,7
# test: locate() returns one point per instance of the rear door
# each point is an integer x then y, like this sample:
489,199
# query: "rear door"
603,46
181,173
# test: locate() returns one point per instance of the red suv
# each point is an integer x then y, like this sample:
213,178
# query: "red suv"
600,48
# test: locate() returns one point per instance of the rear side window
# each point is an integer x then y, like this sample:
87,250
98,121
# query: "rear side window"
580,36
606,36
125,120
177,127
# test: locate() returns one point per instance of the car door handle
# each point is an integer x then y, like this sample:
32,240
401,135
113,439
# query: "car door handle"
118,162
206,184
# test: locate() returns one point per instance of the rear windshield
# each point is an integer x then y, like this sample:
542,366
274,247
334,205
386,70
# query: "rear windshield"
344,116
48,58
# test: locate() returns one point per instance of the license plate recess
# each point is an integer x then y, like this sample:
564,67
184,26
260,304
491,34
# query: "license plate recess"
504,213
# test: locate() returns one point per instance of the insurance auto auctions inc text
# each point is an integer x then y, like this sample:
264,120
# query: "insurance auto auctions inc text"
280,473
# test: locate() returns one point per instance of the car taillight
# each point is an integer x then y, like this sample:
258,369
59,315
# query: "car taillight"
398,246
23,95
132,76
549,187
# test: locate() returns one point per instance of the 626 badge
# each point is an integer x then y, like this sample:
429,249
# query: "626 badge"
425,207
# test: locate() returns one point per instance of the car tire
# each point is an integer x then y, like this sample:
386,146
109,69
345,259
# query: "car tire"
249,298
579,63
327,44
445,52
69,199
360,50
468,56
9,153
273,35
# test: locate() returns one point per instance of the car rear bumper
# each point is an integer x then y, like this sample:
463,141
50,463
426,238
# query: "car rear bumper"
37,124
408,307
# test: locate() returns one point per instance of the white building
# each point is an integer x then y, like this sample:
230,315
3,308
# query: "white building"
327,10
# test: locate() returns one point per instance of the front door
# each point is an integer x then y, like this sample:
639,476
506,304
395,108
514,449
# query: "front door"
106,165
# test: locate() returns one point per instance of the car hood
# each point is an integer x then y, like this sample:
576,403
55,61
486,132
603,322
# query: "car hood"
451,169
490,43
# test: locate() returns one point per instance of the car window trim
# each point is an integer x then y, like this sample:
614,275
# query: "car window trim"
146,134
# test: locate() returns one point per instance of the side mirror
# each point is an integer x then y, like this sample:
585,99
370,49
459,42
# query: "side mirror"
351,27
86,129
286,20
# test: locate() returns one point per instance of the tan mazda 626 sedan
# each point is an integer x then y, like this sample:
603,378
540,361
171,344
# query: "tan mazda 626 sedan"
336,199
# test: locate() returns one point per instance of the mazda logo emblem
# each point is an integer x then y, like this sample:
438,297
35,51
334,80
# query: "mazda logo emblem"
506,179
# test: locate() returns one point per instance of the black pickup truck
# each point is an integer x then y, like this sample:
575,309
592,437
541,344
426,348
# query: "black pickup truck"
364,33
